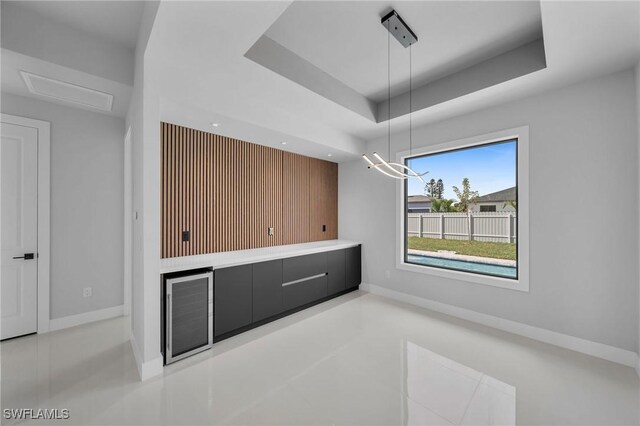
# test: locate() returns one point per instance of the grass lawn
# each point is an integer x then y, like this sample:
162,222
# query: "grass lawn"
471,248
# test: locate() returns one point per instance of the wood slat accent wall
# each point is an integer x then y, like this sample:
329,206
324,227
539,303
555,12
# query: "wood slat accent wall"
323,191
295,191
226,193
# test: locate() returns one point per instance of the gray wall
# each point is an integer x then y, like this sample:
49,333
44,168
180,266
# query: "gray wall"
583,149
86,204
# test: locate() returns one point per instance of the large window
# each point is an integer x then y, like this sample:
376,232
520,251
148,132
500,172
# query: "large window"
472,227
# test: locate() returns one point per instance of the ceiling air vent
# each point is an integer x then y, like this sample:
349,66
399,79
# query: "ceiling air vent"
67,92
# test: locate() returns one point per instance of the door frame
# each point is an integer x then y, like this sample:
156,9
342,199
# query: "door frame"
128,226
44,219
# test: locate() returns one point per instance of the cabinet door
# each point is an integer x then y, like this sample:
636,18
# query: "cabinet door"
267,289
336,268
233,292
354,267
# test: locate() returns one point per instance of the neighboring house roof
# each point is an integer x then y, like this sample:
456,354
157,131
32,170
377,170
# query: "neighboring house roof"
418,198
508,194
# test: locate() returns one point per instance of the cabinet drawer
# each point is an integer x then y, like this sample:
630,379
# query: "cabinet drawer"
303,292
295,268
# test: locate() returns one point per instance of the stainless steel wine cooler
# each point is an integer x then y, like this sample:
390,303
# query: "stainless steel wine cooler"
188,315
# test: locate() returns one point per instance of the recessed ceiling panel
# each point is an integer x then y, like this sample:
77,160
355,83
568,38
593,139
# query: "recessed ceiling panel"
68,92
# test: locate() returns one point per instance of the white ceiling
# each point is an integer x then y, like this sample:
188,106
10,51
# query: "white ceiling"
200,46
115,21
347,40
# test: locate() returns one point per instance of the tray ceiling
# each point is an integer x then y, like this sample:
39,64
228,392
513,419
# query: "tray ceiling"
340,49
347,40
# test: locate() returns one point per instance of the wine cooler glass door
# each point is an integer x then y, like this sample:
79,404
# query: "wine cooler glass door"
189,320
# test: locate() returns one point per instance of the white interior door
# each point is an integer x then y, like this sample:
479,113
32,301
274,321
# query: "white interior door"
18,230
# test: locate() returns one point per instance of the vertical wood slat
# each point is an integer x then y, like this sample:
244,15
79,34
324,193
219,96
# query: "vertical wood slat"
163,194
227,193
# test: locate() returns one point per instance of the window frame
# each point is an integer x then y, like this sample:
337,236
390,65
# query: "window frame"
522,155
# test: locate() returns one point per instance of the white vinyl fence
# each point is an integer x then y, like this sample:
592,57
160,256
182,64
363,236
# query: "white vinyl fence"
497,227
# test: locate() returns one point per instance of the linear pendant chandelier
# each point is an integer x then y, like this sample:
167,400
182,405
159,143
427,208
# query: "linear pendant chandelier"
401,31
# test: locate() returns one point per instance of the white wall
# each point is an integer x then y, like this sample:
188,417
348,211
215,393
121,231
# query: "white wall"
144,119
584,275
86,204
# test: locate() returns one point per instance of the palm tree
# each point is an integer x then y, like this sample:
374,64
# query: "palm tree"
512,203
466,196
442,206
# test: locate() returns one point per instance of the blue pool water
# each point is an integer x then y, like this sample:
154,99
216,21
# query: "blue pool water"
461,265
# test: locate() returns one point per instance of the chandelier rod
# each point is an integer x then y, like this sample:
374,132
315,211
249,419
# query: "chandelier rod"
406,38
388,91
410,103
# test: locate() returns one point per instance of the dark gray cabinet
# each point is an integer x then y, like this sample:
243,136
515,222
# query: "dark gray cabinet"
300,293
232,298
267,289
248,295
354,267
336,271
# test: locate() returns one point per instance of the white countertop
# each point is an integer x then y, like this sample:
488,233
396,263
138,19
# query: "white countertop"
243,257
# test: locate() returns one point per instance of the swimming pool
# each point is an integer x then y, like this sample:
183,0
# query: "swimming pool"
461,265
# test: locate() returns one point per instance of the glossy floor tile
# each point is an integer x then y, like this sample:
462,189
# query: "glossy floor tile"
358,359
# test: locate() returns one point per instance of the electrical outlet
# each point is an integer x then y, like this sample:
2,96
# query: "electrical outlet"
86,292
186,236
270,232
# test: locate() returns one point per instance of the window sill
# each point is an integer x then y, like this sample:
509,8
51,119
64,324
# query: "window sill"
521,284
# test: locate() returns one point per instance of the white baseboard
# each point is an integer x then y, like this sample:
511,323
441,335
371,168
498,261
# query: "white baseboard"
148,369
84,318
599,350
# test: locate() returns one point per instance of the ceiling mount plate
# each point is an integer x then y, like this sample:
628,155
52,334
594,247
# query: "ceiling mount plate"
399,29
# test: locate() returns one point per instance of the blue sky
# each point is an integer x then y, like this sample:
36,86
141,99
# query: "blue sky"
490,168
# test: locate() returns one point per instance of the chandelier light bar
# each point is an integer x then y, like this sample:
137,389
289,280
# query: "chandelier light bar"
406,37
393,168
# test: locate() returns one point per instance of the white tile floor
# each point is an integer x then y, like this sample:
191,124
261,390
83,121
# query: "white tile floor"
359,359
